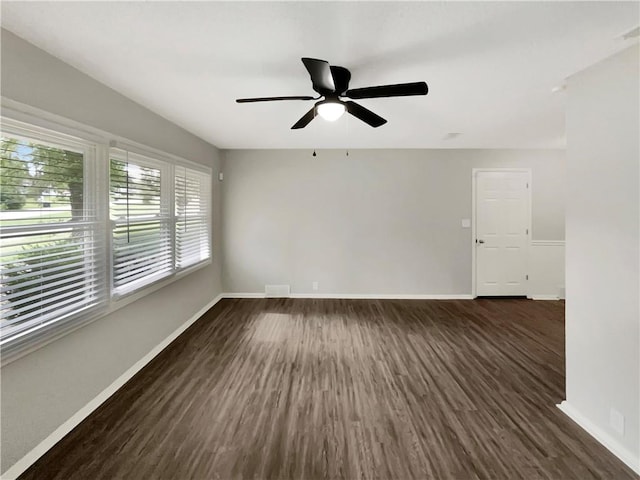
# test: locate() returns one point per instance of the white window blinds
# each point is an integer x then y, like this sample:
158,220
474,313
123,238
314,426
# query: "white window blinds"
192,200
83,223
142,247
51,245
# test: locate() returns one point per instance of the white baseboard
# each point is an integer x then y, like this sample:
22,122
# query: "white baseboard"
58,434
544,297
547,243
243,295
610,443
373,296
356,296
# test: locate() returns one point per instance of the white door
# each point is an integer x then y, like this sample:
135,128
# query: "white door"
502,231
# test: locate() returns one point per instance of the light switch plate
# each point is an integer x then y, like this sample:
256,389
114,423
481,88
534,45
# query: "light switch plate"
466,223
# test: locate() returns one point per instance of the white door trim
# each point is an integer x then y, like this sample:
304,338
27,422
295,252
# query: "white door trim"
474,176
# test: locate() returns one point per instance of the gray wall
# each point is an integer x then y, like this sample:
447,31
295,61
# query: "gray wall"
43,389
603,237
375,222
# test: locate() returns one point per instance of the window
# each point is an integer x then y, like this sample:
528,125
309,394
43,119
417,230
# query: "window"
192,199
82,225
148,243
141,221
52,249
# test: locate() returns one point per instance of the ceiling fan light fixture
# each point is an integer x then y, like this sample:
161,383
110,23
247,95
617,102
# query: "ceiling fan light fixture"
332,83
330,111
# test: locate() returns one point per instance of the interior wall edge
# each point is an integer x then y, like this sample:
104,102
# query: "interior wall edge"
610,443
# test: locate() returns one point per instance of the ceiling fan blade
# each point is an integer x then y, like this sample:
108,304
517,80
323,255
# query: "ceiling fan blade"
398,90
306,118
321,76
364,114
272,99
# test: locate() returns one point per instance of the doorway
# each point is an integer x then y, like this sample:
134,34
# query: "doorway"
501,231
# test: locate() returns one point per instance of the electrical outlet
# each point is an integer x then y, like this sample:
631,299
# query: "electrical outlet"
616,420
315,286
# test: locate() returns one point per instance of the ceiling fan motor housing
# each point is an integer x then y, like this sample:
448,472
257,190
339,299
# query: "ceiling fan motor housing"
341,78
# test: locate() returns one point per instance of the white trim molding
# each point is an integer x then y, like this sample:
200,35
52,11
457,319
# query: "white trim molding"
627,456
356,296
59,433
545,297
547,243
243,295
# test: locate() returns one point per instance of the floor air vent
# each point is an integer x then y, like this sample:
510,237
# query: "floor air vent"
276,290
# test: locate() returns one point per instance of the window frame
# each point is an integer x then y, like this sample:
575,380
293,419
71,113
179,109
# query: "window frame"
34,124
29,133
206,215
165,217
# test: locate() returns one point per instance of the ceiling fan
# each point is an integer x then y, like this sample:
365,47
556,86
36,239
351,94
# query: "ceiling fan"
332,83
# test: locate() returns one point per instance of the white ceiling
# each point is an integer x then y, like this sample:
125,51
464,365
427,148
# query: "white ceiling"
490,66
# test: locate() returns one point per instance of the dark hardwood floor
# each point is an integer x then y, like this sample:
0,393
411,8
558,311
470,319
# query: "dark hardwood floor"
303,389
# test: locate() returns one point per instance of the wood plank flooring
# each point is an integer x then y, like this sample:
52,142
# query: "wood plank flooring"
305,389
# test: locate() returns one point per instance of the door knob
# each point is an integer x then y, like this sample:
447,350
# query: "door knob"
480,241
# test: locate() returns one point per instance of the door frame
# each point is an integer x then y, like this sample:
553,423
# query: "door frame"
474,179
